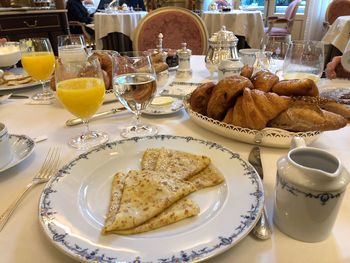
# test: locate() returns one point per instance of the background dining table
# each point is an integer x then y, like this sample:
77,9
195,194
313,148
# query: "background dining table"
23,240
247,24
122,22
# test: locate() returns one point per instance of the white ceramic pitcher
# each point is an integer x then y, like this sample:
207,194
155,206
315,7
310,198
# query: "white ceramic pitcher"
310,186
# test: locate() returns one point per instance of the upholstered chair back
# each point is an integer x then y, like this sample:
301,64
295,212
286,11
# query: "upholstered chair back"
337,8
177,25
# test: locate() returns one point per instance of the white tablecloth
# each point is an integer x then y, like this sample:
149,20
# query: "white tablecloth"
123,22
339,32
242,23
22,239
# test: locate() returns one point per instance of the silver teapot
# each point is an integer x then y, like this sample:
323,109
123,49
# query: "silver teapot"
222,46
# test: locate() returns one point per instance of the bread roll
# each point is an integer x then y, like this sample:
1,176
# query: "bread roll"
296,87
255,108
200,97
264,80
303,116
224,95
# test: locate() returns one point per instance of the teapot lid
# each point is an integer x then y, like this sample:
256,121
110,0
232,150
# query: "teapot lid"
223,36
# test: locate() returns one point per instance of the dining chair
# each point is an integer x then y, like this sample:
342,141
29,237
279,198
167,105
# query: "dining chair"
335,9
177,25
77,27
287,21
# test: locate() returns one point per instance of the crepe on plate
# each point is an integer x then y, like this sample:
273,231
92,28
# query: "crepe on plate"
203,175
141,195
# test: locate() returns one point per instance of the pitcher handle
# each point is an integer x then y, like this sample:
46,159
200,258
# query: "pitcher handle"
297,142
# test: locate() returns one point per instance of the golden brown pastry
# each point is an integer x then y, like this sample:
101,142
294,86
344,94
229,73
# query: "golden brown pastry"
328,105
224,95
296,87
255,108
200,97
247,71
264,80
303,116
106,62
160,66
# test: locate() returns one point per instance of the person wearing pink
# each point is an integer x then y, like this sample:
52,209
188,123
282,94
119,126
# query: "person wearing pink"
3,40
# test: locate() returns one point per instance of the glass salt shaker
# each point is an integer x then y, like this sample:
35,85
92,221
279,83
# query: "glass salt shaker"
184,54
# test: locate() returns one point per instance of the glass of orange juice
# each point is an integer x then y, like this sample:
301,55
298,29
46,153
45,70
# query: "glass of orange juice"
80,88
38,61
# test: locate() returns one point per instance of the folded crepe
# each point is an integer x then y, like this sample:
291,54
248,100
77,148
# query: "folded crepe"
144,195
209,176
181,209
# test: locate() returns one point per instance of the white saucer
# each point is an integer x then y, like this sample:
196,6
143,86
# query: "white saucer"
22,146
171,108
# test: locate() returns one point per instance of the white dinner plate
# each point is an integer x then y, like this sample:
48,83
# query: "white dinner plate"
271,137
171,108
22,147
74,203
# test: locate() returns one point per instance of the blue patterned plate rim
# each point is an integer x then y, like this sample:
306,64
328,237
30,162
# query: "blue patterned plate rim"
228,211
22,147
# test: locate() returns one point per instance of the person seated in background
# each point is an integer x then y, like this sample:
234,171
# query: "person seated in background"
334,69
3,40
77,12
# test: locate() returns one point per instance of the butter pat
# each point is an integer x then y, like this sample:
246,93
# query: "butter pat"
162,101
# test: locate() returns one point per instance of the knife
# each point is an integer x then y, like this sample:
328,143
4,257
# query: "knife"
262,229
77,121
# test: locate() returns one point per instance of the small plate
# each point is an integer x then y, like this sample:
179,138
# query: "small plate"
171,108
22,146
20,86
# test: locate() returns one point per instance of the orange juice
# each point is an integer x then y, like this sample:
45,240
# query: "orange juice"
301,75
81,96
39,65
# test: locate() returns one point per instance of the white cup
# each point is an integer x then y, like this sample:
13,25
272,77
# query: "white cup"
248,56
5,148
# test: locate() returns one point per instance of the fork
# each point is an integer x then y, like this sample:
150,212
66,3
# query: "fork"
48,168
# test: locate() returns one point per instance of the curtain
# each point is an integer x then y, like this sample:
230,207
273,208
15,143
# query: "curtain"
316,11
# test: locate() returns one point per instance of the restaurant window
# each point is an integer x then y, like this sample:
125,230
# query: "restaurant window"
280,5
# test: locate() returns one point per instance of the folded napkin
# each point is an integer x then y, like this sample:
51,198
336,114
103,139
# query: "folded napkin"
179,89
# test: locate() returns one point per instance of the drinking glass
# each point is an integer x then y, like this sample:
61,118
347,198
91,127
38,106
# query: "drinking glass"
81,90
71,48
278,46
304,59
135,86
38,61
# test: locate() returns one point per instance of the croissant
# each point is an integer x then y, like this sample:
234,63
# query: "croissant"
264,80
106,62
296,87
255,108
224,95
303,116
247,71
200,97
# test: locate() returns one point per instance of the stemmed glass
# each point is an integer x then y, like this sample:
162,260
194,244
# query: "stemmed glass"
81,90
71,48
135,86
304,59
38,61
278,46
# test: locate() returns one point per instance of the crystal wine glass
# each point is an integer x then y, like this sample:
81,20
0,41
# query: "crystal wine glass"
71,48
135,86
304,59
81,90
278,46
38,61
